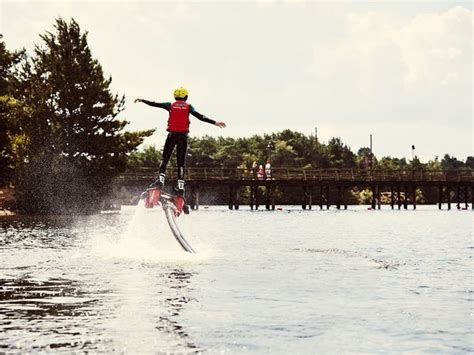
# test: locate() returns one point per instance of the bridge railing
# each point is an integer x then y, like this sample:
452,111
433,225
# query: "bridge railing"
299,174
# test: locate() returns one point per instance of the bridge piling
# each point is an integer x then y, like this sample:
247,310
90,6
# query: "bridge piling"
440,197
237,198
328,203
231,197
194,198
253,197
268,201
414,196
321,197
304,198
472,197
379,202
338,198
310,197
392,197
372,201
405,200
399,197
343,197
448,195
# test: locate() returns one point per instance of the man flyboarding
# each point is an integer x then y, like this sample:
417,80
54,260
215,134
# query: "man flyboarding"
178,129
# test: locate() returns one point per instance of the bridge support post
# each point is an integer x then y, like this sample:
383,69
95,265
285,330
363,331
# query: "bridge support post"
272,198
372,203
328,203
392,197
440,197
466,197
338,198
269,197
399,196
458,197
472,197
344,201
237,197
310,197
194,198
378,197
304,199
253,197
321,196
231,197
414,196
448,196
405,200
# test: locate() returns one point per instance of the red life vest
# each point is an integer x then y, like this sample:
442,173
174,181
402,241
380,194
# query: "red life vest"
179,117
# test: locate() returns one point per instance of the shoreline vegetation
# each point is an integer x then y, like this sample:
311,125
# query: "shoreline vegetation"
62,144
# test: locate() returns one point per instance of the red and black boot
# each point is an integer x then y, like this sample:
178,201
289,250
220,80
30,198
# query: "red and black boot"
154,192
179,199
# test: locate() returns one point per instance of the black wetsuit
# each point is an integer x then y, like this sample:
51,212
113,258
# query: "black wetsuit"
178,139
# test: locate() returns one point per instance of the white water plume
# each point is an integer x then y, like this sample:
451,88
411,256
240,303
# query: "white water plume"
147,237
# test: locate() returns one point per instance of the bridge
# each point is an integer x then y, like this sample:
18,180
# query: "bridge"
323,187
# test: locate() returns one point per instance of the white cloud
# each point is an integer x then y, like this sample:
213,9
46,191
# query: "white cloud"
429,51
437,47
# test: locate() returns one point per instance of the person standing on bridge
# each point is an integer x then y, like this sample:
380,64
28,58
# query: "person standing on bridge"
178,129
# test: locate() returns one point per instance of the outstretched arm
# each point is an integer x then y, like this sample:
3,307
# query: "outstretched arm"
201,117
164,105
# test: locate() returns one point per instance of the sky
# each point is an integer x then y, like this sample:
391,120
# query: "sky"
400,70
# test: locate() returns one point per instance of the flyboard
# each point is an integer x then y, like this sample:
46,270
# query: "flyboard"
170,209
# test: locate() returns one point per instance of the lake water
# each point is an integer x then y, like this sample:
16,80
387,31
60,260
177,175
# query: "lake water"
276,282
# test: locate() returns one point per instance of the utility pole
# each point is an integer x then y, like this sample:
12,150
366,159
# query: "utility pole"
371,154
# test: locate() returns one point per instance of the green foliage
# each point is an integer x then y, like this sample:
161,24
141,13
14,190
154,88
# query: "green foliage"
389,163
288,149
470,163
73,144
148,157
449,163
7,124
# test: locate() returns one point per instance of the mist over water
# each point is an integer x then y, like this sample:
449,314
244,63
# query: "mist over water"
286,281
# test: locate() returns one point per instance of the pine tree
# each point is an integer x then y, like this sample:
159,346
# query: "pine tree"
7,125
75,143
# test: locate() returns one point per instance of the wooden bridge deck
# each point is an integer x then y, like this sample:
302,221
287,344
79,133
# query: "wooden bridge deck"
323,186
307,176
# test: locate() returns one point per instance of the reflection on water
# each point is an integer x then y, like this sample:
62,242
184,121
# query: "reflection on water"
178,280
377,262
63,314
55,293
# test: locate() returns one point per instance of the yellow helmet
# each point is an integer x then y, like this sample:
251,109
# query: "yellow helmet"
180,93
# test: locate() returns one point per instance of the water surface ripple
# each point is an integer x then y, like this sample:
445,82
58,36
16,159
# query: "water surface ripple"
262,282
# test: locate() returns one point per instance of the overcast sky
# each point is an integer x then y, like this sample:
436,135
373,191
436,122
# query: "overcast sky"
400,70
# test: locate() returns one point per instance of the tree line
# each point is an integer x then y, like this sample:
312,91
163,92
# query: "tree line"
289,149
